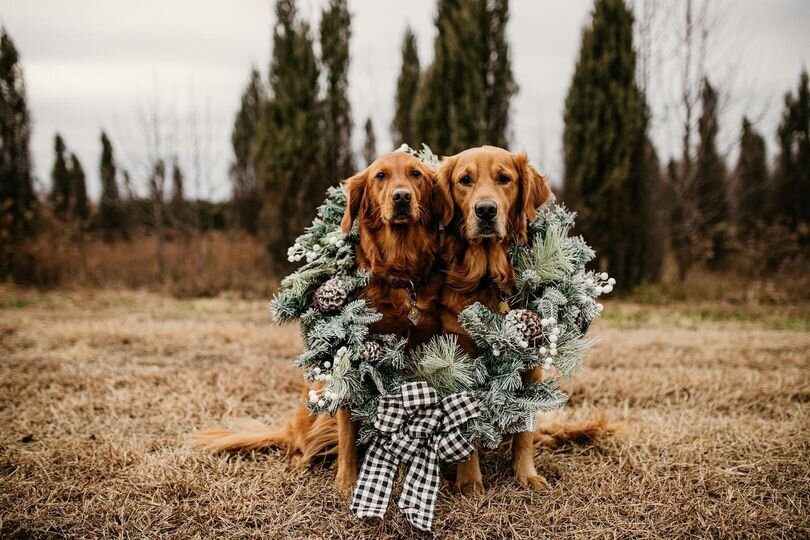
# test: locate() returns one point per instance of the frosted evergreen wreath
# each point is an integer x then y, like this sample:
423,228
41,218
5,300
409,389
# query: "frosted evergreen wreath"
553,304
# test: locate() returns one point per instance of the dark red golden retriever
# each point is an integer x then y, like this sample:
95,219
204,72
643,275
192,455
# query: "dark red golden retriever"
491,196
392,202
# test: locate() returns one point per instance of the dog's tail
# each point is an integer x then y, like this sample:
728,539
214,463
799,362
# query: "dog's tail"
247,434
304,436
556,434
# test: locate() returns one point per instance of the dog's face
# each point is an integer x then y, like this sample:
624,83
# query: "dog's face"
492,192
396,190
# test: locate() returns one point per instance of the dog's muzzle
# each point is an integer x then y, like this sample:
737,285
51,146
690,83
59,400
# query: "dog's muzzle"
486,211
402,199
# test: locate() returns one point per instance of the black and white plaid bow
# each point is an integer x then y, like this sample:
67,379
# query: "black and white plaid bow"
415,427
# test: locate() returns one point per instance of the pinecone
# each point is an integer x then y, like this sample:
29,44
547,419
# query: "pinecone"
371,352
527,323
330,297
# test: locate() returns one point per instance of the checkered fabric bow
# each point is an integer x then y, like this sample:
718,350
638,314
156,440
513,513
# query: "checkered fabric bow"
415,427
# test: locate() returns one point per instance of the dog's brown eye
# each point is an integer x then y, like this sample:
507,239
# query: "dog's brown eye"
465,180
504,178
380,176
416,174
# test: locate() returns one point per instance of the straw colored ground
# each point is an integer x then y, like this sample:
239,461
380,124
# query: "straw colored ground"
99,391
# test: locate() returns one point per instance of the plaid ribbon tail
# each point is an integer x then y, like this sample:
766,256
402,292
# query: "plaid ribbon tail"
375,482
417,428
420,490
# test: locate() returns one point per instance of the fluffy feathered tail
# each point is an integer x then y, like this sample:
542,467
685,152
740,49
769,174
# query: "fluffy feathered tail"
304,436
556,434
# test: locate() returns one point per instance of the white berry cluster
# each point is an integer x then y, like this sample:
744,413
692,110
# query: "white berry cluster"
296,252
336,239
551,333
551,330
320,397
600,284
322,373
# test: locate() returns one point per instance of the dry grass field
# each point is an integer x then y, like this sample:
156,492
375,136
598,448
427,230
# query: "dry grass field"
99,392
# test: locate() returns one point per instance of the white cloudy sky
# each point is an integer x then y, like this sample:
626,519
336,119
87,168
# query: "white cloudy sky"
93,64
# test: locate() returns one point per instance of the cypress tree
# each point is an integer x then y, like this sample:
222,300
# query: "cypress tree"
750,187
655,210
111,217
335,33
792,178
157,185
402,130
78,190
370,143
289,173
434,115
710,171
246,204
711,182
60,179
177,205
499,84
605,144
464,95
16,183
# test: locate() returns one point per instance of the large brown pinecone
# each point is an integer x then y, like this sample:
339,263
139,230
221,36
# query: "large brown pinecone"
330,297
527,323
371,352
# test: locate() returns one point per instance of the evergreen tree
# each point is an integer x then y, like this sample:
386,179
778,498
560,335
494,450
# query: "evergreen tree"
335,32
289,173
464,95
711,180
655,210
178,209
370,144
710,173
606,149
750,193
792,178
16,184
111,216
78,190
402,130
60,179
246,204
499,84
157,186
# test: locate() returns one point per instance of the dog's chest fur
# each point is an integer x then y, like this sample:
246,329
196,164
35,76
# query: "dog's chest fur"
406,256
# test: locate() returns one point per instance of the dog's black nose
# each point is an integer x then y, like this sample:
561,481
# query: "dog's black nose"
402,196
486,209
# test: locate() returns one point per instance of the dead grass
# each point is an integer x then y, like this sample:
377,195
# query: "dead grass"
194,265
99,391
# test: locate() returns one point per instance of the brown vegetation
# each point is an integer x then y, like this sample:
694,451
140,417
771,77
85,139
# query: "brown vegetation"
99,391
193,265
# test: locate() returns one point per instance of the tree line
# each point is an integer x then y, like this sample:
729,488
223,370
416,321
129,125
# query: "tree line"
291,139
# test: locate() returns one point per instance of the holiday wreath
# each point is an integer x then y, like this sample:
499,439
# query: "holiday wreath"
553,303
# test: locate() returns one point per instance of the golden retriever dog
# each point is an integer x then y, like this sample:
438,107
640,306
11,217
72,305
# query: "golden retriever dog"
491,196
392,203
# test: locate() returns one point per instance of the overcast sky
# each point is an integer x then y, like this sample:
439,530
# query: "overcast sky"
93,64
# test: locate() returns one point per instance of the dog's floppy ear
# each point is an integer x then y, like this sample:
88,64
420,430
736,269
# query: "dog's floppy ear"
355,192
533,187
534,192
443,205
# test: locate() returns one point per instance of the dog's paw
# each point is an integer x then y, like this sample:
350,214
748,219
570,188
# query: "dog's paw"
344,485
297,461
469,487
534,481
